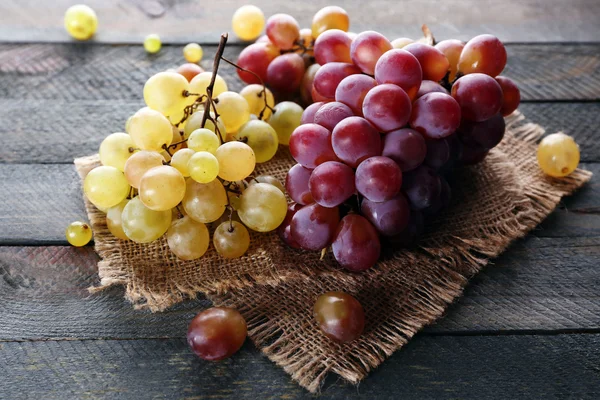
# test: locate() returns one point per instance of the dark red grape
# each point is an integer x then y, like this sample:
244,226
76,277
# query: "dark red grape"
313,226
340,316
511,96
433,62
442,201
354,139
387,107
356,245
352,91
483,54
283,31
367,48
330,114
378,178
472,154
430,87
285,72
479,96
296,184
388,217
422,187
486,134
256,58
439,152
410,235
435,115
308,116
332,183
310,145
330,75
317,97
284,230
406,147
217,333
401,68
333,45
451,49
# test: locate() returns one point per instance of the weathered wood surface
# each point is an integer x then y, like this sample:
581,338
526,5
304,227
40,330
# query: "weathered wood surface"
125,21
86,71
442,367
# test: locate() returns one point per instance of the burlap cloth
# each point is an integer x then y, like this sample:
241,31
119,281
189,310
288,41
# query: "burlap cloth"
274,287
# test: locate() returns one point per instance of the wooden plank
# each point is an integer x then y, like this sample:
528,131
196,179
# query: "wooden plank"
60,130
120,21
442,367
82,72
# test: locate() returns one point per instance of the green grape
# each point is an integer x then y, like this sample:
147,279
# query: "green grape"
261,137
285,119
263,207
204,202
231,240
236,161
203,167
128,123
81,22
180,160
558,155
152,43
233,110
201,81
188,239
164,92
271,180
140,162
162,188
78,233
115,149
192,52
204,140
143,225
114,222
256,100
105,186
150,130
248,22
195,122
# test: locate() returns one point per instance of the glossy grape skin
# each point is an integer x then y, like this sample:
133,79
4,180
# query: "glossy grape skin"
306,86
435,115
352,91
332,183
200,83
188,239
479,96
105,187
354,139
330,75
356,245
150,130
308,116
233,110
452,49
189,70
140,162
471,154
143,225
283,31
317,97
433,62
231,239
406,147
390,217
204,202
236,161
442,201
387,107
483,54
261,137
558,155
366,50
217,333
340,316
430,87
401,68
263,207
152,43
114,223
80,22
296,184
285,119
310,145
285,73
401,42
333,46
378,178
284,230
486,134
193,52
330,114
256,58
511,95
248,22
410,235
78,233
255,97
164,92
203,167
330,17
313,226
203,140
162,188
422,187
115,149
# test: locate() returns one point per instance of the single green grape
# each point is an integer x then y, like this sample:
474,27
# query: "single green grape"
203,167
248,22
285,119
261,137
105,186
114,222
271,180
192,52
162,188
204,139
143,225
166,92
78,233
256,100
233,110
558,155
263,207
201,81
188,239
81,22
236,161
231,240
181,159
152,43
204,202
150,130
116,149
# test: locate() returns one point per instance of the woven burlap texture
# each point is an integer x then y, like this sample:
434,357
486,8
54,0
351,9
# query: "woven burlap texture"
274,287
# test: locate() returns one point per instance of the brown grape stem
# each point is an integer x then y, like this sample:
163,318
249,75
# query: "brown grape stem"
209,90
428,35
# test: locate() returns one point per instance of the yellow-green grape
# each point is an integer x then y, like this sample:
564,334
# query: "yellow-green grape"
248,22
233,110
150,130
180,160
81,22
201,81
116,149
139,163
78,233
188,239
165,93
105,186
195,122
143,225
256,100
204,202
114,221
261,137
203,167
203,140
236,161
128,123
263,207
192,52
152,43
401,42
271,180
162,188
231,239
285,119
558,155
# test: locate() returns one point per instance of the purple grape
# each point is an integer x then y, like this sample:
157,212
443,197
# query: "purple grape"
387,107
314,226
329,76
406,147
479,96
401,68
332,183
430,87
356,245
330,114
472,154
310,145
388,217
333,45
284,230
354,139
296,184
352,91
367,48
414,229
435,115
486,134
442,201
378,178
308,116
422,187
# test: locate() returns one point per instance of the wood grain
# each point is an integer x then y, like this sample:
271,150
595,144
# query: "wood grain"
86,71
441,367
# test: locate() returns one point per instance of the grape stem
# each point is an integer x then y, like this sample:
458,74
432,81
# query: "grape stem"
209,90
428,35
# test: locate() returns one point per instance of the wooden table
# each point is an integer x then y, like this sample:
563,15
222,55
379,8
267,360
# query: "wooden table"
527,327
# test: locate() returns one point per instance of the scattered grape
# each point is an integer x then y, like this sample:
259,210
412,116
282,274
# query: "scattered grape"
192,52
81,22
248,22
340,316
78,233
231,240
558,155
217,333
152,43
